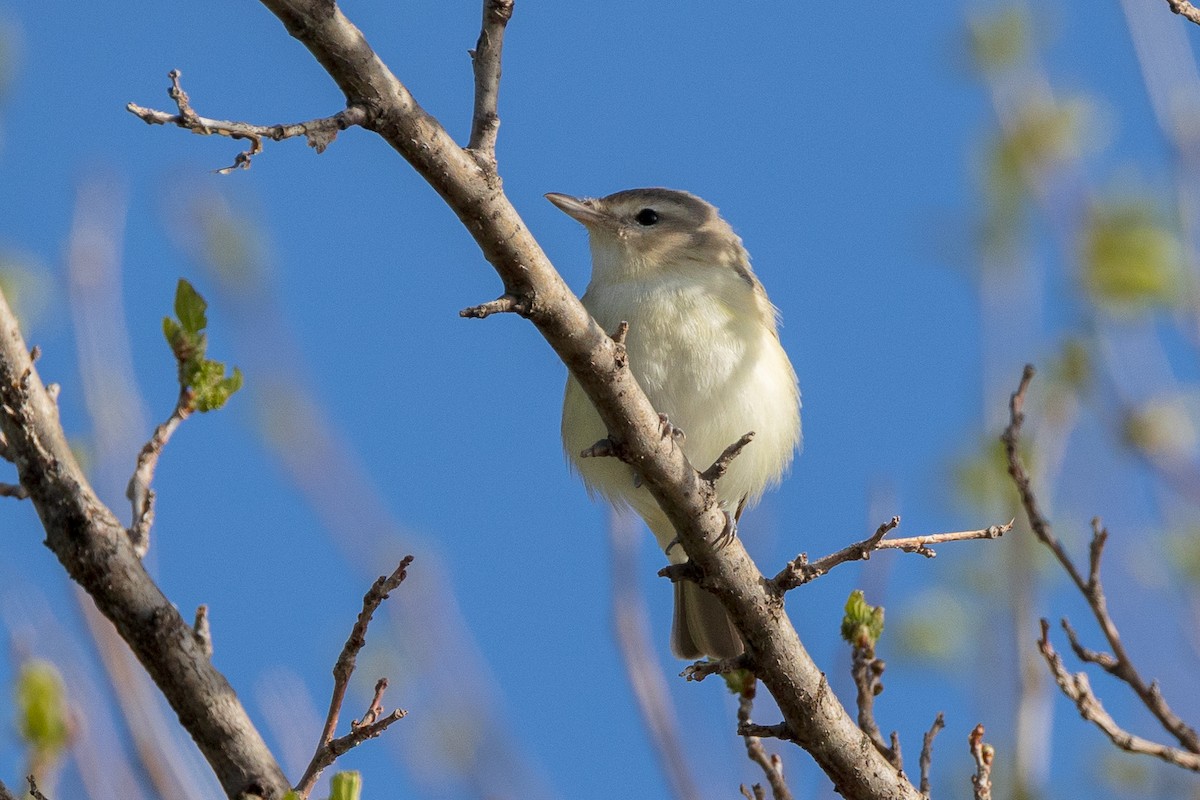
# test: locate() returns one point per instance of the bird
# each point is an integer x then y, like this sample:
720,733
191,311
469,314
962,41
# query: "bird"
703,344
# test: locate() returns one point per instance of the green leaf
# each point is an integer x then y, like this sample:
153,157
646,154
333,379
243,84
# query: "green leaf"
211,388
863,624
1000,40
190,308
42,717
1131,257
346,785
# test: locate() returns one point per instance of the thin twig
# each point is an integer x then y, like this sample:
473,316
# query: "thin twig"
34,792
328,748
202,631
983,754
780,731
5,794
721,465
504,304
1077,687
867,670
14,490
485,60
1185,9
771,763
318,132
927,751
800,570
1118,663
758,793
139,493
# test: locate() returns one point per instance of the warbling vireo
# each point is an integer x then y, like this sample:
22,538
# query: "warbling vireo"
702,344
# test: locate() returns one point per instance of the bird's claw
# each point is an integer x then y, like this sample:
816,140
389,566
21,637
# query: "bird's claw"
671,545
667,430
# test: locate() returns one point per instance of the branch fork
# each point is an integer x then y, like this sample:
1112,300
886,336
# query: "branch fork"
319,133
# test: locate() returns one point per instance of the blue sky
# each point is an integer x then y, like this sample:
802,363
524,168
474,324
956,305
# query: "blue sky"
840,141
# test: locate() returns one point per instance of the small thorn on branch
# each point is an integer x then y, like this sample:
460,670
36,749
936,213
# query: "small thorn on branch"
721,465
687,571
202,632
779,731
14,490
605,448
504,304
618,336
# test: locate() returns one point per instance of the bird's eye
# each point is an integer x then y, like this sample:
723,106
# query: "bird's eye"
647,216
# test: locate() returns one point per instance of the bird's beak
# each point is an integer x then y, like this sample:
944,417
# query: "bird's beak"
582,210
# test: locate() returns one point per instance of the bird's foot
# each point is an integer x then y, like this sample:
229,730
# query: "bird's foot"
667,430
671,545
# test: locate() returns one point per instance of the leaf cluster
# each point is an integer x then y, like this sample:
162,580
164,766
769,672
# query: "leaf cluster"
203,377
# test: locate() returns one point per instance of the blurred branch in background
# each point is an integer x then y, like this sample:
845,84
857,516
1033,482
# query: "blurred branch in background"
646,676
119,422
1102,282
457,737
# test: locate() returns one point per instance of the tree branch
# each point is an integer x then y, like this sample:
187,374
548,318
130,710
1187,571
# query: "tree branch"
95,549
927,752
485,60
813,714
319,133
1118,663
983,754
371,725
1079,690
139,493
1185,9
867,670
800,570
771,764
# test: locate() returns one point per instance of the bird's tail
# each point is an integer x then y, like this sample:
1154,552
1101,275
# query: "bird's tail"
701,626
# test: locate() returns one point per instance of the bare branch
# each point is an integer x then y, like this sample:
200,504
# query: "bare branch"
319,133
139,493
485,59
758,793
800,570
1077,687
812,711
94,548
5,794
202,631
927,751
504,304
867,670
370,726
780,730
34,792
1185,9
772,764
1118,663
983,754
14,490
719,467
